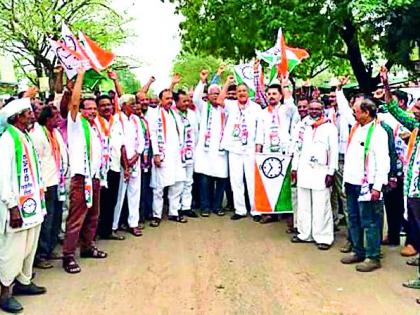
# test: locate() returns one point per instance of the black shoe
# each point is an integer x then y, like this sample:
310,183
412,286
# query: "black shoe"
11,305
190,213
205,213
237,217
220,213
322,246
30,289
256,218
296,239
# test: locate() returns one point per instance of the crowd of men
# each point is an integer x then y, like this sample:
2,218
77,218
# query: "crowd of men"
116,160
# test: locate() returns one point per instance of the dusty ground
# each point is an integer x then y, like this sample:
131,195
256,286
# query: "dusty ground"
216,266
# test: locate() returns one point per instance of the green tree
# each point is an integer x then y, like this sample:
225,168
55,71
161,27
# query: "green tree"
190,65
338,33
26,24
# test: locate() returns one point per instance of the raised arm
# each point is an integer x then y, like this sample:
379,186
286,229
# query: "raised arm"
407,121
175,80
75,96
114,77
259,90
342,102
221,98
58,82
146,87
218,76
199,89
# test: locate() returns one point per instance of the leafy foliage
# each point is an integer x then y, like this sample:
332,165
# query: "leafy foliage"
26,25
338,34
190,65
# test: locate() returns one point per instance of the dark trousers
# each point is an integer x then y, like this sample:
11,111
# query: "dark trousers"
413,209
211,192
50,228
109,198
394,207
81,221
365,222
196,191
146,199
229,195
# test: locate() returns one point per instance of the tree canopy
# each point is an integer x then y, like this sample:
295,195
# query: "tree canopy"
338,34
26,25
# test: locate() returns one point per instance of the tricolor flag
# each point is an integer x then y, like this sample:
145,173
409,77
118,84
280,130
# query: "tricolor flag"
71,41
275,55
273,193
99,57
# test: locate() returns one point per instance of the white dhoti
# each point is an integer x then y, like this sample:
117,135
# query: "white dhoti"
174,197
314,217
17,254
133,190
240,164
186,196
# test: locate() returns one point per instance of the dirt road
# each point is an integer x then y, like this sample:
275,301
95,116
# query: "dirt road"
217,266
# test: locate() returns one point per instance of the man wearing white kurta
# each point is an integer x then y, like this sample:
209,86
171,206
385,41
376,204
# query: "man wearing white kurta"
210,159
189,123
130,183
239,139
22,206
54,165
167,168
314,162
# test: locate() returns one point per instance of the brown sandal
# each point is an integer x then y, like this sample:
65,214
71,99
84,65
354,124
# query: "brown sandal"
136,231
93,252
70,265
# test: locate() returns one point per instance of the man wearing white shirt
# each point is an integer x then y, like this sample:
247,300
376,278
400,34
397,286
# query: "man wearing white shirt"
112,137
366,168
189,124
85,156
130,182
276,122
211,160
167,168
314,163
239,139
52,153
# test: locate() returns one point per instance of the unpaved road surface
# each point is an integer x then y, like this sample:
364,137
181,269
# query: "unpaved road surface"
217,266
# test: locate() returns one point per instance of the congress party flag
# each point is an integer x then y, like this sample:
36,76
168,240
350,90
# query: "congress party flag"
280,53
99,57
273,193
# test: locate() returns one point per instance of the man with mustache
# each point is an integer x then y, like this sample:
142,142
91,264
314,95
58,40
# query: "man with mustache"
112,139
130,179
85,156
239,139
314,162
167,168
54,166
22,205
276,123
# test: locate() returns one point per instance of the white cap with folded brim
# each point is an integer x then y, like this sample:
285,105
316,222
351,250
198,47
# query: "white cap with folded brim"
15,107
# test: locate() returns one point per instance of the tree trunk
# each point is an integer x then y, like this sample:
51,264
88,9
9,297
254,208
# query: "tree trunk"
362,73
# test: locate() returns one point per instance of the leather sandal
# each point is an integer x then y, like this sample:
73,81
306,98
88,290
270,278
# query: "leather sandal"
93,252
70,265
135,231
